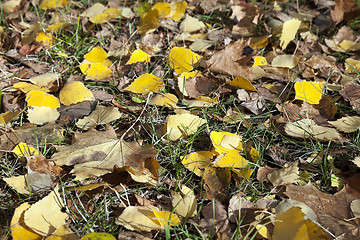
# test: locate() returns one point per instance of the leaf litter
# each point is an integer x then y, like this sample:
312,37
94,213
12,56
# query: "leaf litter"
182,119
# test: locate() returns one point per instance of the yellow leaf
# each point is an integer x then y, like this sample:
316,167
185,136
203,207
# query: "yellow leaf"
25,150
182,125
197,161
18,228
182,59
310,92
177,10
163,8
225,142
243,173
138,56
42,99
263,231
148,22
18,183
26,87
166,218
289,31
6,117
56,26
96,55
63,233
231,159
259,61
191,24
42,115
242,83
52,4
106,15
351,64
75,92
139,219
168,100
145,83
45,216
46,39
347,124
98,236
96,71
184,203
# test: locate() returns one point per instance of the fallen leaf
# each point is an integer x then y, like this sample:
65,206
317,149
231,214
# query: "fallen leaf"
42,99
184,77
191,24
48,82
259,61
352,65
6,117
96,66
229,61
284,176
351,93
138,56
230,160
183,60
143,218
182,125
165,100
23,150
347,124
148,22
310,92
242,83
45,39
42,115
96,153
225,142
285,61
145,83
18,183
184,202
217,180
198,161
52,4
98,236
75,92
19,230
166,218
100,115
289,31
45,216
306,128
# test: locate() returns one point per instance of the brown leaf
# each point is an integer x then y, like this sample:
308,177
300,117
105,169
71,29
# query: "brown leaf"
201,86
40,164
351,93
227,61
333,211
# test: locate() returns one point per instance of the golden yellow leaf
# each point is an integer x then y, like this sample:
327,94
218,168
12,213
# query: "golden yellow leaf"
184,203
18,228
45,216
96,71
52,4
46,39
182,125
25,150
243,173
42,99
96,55
42,115
139,219
138,56
231,160
163,8
26,87
168,100
6,117
263,231
259,61
225,142
148,22
352,65
201,101
182,59
197,161
56,26
310,92
75,92
242,83
145,83
289,31
166,218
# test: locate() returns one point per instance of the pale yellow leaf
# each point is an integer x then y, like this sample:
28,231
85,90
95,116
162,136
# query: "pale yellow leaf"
225,142
191,24
41,115
285,61
289,31
184,202
286,175
168,100
182,125
347,124
19,230
18,183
